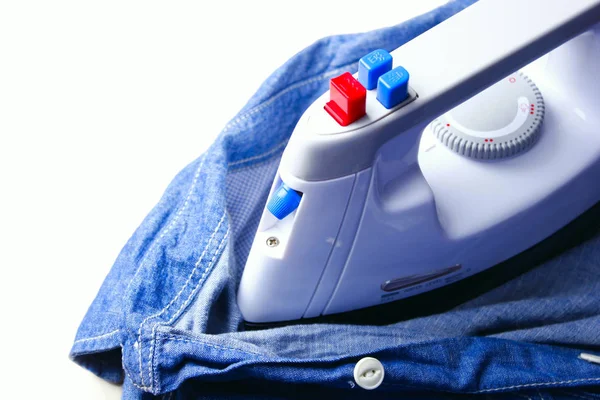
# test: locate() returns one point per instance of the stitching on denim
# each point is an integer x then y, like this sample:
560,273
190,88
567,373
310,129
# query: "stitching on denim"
158,314
144,388
152,369
185,285
215,346
173,222
540,384
272,99
540,393
151,360
97,337
269,152
189,340
528,385
162,235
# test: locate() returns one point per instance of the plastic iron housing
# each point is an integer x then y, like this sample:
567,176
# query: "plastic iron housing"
388,211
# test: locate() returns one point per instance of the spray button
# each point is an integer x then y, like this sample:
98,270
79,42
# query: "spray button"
283,202
372,66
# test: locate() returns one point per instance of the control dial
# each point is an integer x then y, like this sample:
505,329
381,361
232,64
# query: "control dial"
502,121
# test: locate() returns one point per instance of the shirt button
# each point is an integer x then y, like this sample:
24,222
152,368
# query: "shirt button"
368,373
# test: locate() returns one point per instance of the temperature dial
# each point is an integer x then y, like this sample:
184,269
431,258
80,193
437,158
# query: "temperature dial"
502,121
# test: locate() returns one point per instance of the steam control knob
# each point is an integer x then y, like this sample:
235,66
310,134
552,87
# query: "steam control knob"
502,121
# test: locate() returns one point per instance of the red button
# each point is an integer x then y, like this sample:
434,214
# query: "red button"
348,99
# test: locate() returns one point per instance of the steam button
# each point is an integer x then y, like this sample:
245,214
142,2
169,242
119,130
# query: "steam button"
392,87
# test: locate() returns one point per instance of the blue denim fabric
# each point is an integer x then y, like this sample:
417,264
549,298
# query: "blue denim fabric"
165,321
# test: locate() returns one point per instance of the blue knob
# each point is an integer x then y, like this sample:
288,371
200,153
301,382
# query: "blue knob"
283,202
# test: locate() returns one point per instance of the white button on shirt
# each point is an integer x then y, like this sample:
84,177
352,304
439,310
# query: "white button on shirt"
368,373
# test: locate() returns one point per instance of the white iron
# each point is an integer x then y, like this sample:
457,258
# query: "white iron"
408,199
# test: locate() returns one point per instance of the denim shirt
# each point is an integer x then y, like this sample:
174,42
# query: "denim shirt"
166,323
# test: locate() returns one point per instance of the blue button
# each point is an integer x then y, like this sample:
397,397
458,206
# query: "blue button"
372,66
283,202
392,87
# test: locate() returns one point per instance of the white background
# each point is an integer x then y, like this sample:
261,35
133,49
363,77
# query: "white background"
101,104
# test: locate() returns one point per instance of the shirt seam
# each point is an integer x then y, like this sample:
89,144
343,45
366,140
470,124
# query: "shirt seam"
177,296
169,227
152,360
98,337
497,389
